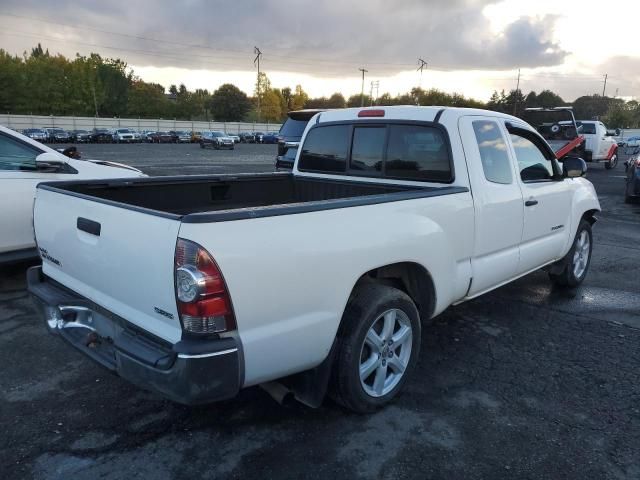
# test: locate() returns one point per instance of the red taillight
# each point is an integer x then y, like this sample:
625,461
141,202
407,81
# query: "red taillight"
371,113
201,293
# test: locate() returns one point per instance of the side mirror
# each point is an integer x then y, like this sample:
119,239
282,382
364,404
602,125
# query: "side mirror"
49,161
573,167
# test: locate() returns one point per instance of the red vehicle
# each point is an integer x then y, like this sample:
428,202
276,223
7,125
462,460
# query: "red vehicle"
162,137
564,136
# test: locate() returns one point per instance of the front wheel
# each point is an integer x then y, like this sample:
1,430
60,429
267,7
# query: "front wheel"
378,347
577,260
613,162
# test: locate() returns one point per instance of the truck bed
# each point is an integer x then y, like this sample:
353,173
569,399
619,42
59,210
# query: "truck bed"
196,199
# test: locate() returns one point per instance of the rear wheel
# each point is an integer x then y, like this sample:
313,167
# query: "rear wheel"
378,346
577,260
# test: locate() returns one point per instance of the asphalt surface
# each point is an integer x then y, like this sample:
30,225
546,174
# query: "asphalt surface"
524,382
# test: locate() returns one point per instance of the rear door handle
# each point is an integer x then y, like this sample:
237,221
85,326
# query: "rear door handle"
530,203
89,226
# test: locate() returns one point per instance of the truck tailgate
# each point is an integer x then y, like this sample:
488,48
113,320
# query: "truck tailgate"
121,259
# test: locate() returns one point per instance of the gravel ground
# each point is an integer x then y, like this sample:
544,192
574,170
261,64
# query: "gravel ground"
524,382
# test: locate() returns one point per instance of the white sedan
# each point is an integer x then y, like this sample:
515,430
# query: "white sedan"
23,164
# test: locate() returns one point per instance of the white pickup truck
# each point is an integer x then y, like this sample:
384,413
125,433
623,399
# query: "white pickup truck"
600,143
316,280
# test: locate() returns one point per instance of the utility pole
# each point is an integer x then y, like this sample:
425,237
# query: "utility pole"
421,67
362,91
604,88
515,100
374,84
256,60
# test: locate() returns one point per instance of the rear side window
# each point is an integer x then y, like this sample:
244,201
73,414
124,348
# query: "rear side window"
326,149
293,128
417,152
493,152
588,128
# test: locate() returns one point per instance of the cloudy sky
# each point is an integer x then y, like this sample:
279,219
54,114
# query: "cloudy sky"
471,46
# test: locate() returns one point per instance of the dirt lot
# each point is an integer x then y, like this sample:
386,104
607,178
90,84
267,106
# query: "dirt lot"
524,382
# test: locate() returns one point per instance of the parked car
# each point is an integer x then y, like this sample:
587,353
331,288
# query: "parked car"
162,137
259,136
80,136
101,135
383,232
182,137
36,134
247,137
24,163
195,137
632,181
57,135
270,138
216,140
632,142
147,136
123,135
236,138
289,136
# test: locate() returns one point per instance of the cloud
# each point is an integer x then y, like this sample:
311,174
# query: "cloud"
330,37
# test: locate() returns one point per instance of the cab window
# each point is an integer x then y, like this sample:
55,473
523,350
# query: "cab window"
15,155
532,163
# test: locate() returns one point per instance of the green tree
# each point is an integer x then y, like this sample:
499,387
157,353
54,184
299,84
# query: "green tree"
229,104
298,99
271,106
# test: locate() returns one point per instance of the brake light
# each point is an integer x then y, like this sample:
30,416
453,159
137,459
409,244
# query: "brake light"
371,113
202,297
638,161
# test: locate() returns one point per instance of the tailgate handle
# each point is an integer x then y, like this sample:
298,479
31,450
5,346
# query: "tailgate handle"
88,226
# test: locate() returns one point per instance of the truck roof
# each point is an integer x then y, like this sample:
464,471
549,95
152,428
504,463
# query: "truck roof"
410,112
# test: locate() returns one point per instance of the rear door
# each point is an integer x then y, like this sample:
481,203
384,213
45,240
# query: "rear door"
121,259
497,202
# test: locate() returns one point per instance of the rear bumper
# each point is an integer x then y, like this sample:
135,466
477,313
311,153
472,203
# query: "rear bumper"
189,372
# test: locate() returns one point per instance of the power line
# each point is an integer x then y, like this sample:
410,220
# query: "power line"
291,59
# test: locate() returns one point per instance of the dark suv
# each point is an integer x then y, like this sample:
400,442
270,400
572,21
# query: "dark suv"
290,135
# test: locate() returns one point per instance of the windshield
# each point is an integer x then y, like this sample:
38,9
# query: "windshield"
217,134
293,128
124,130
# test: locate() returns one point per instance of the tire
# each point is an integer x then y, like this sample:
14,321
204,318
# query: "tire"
369,311
612,162
573,274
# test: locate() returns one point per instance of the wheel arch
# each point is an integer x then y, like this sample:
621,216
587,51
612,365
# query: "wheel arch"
410,277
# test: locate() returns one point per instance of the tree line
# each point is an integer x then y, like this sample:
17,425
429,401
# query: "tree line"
41,83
